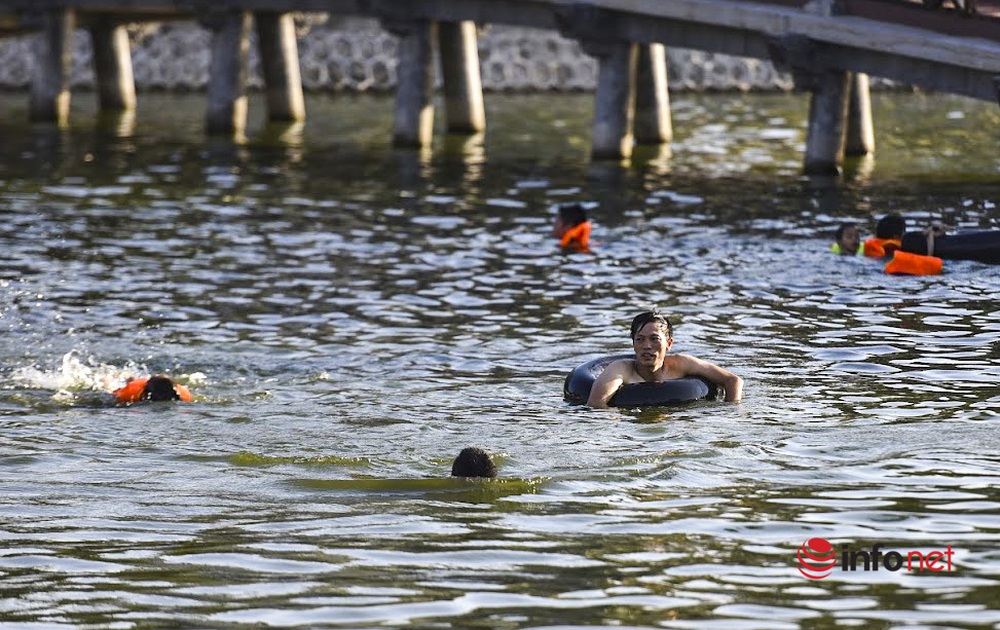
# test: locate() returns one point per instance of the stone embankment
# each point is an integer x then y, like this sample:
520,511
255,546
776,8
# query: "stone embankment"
357,55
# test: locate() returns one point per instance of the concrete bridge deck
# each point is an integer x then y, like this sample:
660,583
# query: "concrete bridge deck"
830,46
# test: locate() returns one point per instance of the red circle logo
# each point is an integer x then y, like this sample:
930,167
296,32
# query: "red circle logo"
816,558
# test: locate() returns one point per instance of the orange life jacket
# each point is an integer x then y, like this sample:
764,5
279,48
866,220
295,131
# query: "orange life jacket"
909,264
132,392
879,247
577,237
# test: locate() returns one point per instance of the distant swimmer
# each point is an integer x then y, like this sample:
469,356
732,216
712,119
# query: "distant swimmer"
473,462
652,336
572,228
154,388
888,242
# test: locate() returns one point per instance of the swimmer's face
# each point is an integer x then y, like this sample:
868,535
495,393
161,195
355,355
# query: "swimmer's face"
849,241
651,344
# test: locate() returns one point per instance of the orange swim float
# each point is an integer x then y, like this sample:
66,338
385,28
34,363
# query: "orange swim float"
906,263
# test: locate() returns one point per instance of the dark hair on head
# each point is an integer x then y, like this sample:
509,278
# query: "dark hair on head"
843,228
473,462
654,315
573,213
159,387
890,226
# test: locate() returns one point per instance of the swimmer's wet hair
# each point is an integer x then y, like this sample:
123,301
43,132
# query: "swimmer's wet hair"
890,226
843,227
473,462
573,213
654,315
159,387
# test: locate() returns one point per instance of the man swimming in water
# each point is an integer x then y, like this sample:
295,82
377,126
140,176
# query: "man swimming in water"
652,336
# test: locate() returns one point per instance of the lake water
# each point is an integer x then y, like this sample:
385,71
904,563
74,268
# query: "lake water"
349,317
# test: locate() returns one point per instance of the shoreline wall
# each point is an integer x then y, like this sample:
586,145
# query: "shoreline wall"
339,54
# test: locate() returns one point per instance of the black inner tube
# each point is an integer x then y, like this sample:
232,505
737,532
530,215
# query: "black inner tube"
576,388
980,245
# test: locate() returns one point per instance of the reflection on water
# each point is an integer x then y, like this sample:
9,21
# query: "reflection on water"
349,317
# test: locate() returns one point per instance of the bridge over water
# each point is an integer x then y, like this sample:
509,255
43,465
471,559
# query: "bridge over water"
831,48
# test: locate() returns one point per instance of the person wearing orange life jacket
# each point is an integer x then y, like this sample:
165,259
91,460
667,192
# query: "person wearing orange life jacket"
572,228
154,388
888,236
887,242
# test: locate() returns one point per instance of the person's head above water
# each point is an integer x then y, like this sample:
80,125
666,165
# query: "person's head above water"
572,227
891,226
655,317
570,215
160,387
473,462
652,337
848,239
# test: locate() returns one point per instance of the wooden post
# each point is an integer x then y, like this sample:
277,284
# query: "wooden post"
860,125
50,89
463,86
652,99
614,102
227,81
414,117
279,58
827,123
113,66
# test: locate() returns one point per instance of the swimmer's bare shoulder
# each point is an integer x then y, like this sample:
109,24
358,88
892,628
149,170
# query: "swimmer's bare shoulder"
616,374
687,365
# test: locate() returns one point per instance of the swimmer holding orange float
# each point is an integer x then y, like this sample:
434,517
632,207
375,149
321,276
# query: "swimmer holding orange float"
888,243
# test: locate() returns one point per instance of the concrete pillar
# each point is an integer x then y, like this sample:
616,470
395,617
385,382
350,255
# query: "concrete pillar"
827,123
860,125
279,58
50,90
113,66
227,81
414,116
463,85
614,102
652,98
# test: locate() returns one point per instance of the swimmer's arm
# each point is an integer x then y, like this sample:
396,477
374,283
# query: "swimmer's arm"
609,382
692,366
